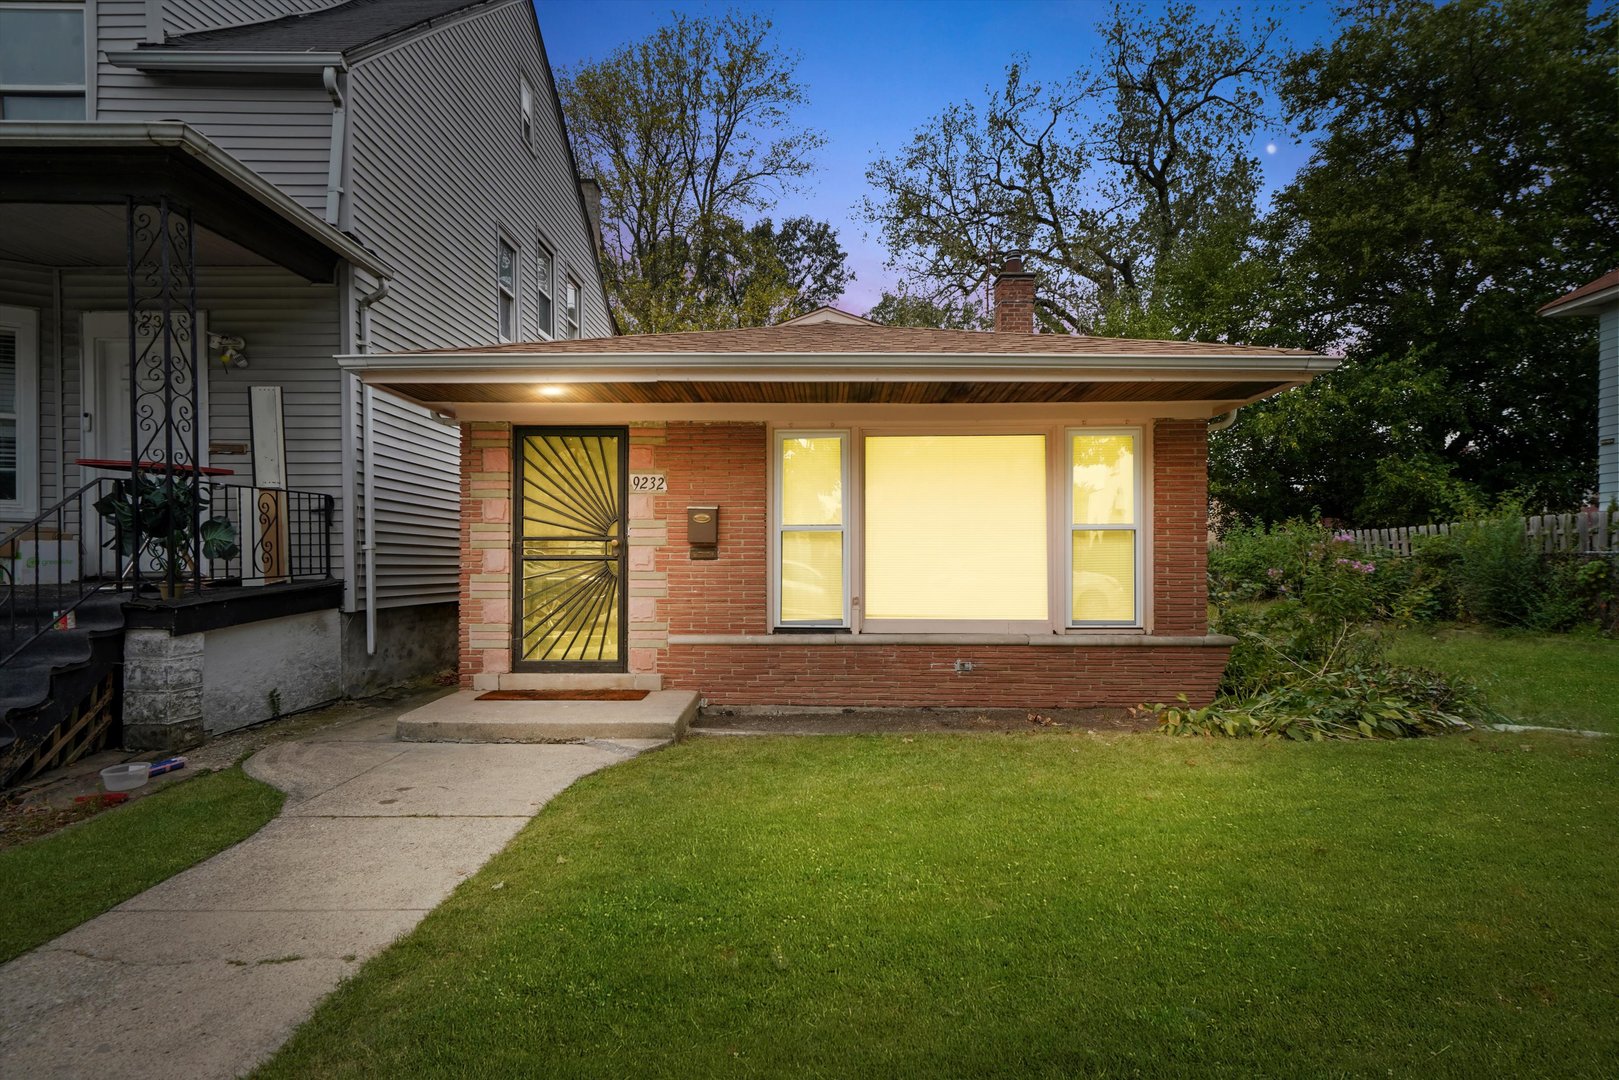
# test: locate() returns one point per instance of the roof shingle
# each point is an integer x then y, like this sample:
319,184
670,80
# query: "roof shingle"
839,338
334,29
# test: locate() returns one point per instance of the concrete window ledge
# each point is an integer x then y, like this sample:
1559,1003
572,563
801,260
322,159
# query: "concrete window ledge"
1081,641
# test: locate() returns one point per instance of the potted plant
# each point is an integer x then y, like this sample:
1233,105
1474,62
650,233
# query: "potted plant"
170,518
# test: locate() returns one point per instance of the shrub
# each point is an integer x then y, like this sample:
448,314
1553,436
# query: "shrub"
1314,666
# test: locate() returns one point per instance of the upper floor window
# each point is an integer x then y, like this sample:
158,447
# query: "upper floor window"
526,101
506,291
570,309
545,287
42,61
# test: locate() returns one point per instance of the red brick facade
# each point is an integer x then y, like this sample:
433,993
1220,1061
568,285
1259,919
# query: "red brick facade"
670,594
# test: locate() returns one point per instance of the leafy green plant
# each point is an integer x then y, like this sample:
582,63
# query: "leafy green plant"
169,513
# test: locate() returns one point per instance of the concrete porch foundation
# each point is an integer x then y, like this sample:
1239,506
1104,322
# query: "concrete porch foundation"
461,718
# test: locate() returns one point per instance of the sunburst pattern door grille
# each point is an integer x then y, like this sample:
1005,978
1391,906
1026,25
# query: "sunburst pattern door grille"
570,548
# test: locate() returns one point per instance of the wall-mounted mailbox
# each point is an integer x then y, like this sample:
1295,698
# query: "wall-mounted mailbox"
703,531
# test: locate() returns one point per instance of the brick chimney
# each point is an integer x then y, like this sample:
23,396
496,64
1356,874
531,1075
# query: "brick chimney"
1014,299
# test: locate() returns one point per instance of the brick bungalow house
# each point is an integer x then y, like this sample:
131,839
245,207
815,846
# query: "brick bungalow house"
835,512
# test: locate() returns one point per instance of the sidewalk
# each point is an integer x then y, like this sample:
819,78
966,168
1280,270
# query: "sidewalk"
205,974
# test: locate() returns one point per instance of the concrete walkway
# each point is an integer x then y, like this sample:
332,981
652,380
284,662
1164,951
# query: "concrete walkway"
206,974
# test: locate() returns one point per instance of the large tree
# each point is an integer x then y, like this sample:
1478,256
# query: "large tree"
1100,182
1465,172
690,133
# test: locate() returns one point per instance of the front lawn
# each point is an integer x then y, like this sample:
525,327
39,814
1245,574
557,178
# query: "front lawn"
51,885
1554,680
1028,905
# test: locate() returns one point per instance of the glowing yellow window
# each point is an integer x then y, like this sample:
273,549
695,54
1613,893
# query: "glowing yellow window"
1103,523
955,528
811,529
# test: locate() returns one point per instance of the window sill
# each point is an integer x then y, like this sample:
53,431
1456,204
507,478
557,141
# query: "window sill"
1087,640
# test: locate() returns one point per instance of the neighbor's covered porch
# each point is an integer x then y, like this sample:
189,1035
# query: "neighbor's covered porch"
169,320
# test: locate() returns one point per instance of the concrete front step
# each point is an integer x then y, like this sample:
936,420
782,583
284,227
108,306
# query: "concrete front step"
462,718
567,681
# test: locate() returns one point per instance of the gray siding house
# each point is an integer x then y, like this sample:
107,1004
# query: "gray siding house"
202,202
1600,299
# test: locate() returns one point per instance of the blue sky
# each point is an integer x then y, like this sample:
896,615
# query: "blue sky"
875,71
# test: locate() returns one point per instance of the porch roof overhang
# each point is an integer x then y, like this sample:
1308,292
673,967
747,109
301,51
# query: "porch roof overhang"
507,386
97,163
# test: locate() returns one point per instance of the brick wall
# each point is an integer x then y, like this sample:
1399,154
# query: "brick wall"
486,549
725,465
1180,516
1002,676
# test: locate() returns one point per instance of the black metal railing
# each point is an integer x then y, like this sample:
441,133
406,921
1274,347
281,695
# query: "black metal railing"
281,536
53,564
84,545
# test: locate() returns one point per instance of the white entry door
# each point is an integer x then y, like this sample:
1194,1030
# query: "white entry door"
104,403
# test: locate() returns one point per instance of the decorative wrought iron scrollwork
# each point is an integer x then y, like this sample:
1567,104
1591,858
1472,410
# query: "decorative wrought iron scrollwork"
165,376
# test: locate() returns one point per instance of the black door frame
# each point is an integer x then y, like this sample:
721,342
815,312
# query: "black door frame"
519,464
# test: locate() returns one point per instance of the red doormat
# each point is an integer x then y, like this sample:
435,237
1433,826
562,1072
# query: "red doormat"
563,695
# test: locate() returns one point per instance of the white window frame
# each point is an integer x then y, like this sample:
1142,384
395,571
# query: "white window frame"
1060,526
1139,464
573,316
543,252
502,293
525,101
80,90
780,436
24,322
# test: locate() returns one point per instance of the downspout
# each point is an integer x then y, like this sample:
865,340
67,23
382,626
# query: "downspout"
368,537
61,402
368,543
1223,421
334,163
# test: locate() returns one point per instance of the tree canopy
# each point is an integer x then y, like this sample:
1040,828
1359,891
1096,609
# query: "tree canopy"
690,134
1098,181
1466,171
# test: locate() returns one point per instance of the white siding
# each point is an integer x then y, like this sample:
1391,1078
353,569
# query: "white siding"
437,168
1608,407
291,332
189,16
417,489
281,131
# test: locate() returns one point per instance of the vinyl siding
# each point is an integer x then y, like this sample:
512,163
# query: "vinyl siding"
437,170
291,332
189,16
1608,407
282,131
436,119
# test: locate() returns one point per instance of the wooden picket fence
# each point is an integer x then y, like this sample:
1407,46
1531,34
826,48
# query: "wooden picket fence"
1588,532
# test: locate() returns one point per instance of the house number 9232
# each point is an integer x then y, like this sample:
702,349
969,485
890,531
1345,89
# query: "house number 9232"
648,483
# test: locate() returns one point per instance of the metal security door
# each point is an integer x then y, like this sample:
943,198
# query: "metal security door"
570,605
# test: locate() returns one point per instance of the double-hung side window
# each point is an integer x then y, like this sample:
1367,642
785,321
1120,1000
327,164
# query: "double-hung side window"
570,308
42,61
19,409
812,544
506,291
545,289
1104,527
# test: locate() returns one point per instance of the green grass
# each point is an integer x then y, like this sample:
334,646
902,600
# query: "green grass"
51,885
1040,905
1555,680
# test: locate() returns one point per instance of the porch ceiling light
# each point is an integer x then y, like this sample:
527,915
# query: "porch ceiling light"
553,391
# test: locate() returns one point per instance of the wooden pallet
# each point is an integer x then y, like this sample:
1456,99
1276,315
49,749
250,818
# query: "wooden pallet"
86,729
